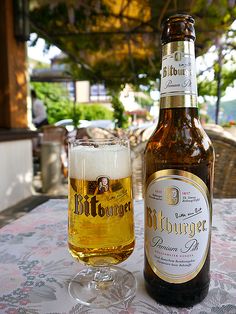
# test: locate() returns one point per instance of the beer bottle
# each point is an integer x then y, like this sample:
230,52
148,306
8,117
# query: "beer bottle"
178,163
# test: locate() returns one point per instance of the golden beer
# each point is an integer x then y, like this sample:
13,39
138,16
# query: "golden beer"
100,228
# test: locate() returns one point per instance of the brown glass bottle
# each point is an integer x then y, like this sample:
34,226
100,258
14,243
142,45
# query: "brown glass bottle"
179,162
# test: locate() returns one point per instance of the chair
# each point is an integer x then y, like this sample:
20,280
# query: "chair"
57,134
96,133
225,164
93,133
52,133
137,152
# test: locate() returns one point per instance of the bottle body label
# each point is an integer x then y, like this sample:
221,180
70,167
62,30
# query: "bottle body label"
178,75
177,224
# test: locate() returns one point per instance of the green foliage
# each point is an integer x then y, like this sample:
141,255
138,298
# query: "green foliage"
207,88
223,68
121,121
59,107
117,57
56,99
94,112
228,78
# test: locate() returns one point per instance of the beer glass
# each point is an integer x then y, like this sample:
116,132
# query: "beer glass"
100,220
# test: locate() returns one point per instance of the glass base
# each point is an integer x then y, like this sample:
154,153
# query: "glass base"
102,287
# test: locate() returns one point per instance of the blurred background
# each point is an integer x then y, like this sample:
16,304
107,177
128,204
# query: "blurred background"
95,69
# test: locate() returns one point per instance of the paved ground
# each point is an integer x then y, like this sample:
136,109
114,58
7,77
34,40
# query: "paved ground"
20,209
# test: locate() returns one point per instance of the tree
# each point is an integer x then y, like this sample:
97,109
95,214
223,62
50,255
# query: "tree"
118,41
223,68
121,121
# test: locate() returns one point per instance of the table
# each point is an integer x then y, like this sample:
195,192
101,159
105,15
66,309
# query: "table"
35,266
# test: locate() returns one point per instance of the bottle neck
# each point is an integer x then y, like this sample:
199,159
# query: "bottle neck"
179,116
178,75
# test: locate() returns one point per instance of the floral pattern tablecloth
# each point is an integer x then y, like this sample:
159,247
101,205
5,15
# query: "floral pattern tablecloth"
35,265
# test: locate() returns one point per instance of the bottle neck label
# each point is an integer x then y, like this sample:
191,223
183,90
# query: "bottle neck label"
178,75
177,224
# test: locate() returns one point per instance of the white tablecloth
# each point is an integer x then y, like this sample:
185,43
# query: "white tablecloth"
35,265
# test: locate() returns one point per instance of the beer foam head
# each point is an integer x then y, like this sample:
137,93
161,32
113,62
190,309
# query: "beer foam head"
89,162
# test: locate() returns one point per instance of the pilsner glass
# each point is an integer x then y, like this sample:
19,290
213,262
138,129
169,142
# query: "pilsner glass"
100,220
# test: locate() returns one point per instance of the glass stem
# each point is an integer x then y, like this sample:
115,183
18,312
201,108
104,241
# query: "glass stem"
102,274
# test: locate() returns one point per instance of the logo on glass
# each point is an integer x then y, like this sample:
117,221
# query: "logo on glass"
103,185
172,195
